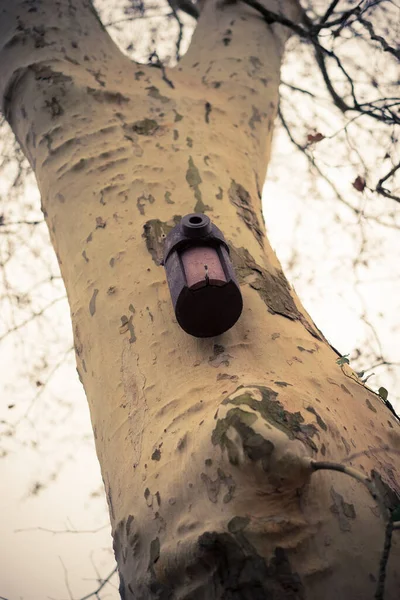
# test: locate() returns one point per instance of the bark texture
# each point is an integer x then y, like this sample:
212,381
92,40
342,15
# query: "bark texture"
204,444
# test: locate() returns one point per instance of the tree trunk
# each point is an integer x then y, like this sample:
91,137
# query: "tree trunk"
205,445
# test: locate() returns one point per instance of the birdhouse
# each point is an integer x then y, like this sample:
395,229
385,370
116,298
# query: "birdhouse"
205,293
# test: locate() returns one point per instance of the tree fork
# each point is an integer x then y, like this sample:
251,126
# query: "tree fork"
204,444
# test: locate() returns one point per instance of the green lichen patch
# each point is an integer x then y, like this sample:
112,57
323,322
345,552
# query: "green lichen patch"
145,127
273,288
154,233
255,447
272,411
245,210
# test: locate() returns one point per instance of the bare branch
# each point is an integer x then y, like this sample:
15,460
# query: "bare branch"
185,6
58,531
329,11
384,192
378,38
66,579
31,318
311,159
103,582
380,588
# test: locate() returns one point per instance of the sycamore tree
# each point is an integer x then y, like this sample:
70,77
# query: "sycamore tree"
209,448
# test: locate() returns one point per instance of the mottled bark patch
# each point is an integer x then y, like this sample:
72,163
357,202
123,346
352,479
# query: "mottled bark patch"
208,109
148,496
156,454
346,445
46,73
370,406
269,409
346,391
236,570
227,377
145,127
100,223
342,510
214,486
219,356
306,350
389,490
238,524
200,207
178,117
154,92
154,233
154,551
92,303
245,210
274,289
126,541
143,200
320,422
193,178
54,106
255,117
220,194
167,198
107,97
127,325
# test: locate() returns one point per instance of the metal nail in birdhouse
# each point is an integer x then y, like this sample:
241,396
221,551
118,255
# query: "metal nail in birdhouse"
204,290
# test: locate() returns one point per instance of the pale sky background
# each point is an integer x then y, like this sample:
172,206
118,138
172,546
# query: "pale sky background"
50,474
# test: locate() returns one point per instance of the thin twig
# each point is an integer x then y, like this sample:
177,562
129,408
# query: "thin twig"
381,190
102,584
378,38
66,579
58,531
27,321
329,11
371,451
330,466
